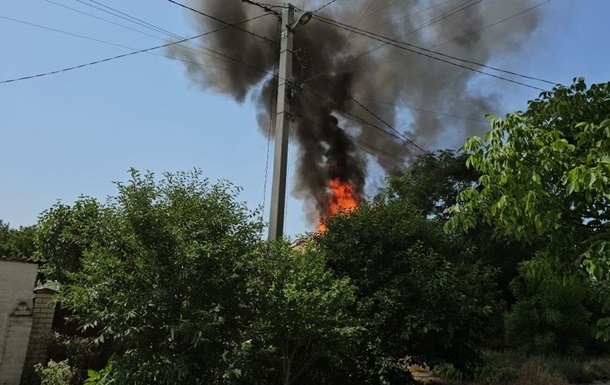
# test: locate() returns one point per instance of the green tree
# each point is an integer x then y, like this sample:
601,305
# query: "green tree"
301,322
63,233
163,278
17,244
177,278
545,173
555,310
420,296
432,184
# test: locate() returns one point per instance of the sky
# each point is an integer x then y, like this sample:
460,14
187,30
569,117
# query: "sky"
76,132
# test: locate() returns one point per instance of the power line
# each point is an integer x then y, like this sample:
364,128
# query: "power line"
442,17
401,136
121,15
201,50
101,18
388,41
428,53
388,125
132,19
109,43
409,15
393,133
496,23
371,149
266,39
323,6
106,42
64,32
272,99
459,37
419,28
424,110
135,53
266,7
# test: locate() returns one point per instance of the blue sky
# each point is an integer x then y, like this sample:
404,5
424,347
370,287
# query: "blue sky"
76,132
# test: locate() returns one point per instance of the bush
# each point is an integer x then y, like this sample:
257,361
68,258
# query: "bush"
554,310
419,293
55,373
599,368
538,372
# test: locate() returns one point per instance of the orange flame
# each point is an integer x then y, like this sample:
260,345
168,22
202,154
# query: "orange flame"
342,198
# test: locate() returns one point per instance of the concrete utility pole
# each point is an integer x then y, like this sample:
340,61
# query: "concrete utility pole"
280,160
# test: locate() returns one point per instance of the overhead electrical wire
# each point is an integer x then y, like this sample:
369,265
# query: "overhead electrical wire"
272,99
224,22
459,8
395,42
125,16
65,32
323,6
101,18
138,52
196,47
108,42
456,38
389,40
367,147
393,133
409,15
423,110
397,133
430,54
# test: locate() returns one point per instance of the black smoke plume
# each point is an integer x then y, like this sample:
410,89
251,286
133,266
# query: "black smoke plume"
331,69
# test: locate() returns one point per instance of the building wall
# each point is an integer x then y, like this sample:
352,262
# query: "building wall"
17,280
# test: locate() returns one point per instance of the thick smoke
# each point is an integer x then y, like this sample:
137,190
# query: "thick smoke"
330,70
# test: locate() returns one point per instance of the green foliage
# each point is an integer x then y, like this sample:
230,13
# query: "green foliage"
55,373
64,232
419,297
433,181
554,310
82,353
537,371
99,378
300,322
176,277
431,184
546,172
163,277
17,244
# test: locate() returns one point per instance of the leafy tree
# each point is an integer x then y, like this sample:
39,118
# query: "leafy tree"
163,278
432,184
176,276
555,310
433,181
301,323
545,172
64,232
420,300
17,244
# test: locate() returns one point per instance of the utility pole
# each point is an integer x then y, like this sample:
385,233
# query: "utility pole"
280,160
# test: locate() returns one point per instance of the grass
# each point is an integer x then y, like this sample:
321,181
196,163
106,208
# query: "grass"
512,368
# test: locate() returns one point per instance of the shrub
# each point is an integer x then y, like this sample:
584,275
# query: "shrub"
599,368
55,373
538,372
553,313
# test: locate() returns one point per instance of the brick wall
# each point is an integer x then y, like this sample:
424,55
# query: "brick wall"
17,281
43,313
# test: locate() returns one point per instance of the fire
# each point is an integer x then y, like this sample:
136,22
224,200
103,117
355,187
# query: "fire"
342,197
